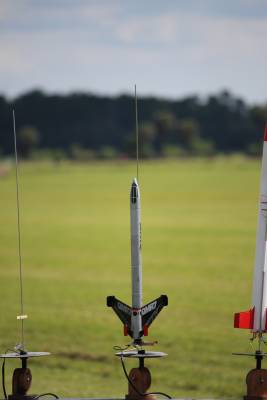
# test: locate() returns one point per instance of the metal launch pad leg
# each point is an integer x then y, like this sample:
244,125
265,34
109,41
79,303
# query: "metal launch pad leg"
141,379
256,381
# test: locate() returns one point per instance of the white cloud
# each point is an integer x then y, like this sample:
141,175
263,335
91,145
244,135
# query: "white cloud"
98,46
156,29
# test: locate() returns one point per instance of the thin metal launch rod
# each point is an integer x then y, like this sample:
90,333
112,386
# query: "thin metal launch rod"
21,317
136,135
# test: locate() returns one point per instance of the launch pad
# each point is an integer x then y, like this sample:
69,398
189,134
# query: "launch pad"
256,378
139,379
22,377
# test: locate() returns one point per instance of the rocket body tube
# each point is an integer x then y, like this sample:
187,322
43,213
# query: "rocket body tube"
137,318
259,297
255,318
136,260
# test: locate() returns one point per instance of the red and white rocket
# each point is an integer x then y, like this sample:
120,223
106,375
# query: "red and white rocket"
256,318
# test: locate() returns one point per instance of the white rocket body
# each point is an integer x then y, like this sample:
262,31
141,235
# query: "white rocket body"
259,297
255,318
136,260
137,318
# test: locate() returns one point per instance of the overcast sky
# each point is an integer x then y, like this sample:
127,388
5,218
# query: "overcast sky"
167,47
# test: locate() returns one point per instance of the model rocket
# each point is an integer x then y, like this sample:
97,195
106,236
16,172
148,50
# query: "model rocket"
137,318
255,318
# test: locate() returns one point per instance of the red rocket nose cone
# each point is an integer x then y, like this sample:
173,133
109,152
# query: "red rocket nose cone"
265,133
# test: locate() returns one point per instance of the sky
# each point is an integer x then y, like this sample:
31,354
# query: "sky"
169,48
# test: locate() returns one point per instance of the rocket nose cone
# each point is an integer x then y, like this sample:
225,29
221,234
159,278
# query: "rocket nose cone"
265,133
134,191
135,182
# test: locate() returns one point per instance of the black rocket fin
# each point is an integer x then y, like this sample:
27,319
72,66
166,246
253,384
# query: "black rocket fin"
123,311
150,311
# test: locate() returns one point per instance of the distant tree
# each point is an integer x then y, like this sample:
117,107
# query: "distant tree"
55,155
147,132
254,149
81,154
147,151
28,140
200,147
165,123
171,130
95,122
173,151
258,116
107,153
187,132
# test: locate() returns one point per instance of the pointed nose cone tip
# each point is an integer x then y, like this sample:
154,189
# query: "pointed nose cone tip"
265,133
134,191
135,183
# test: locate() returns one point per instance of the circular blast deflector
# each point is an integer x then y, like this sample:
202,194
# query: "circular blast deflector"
140,354
25,354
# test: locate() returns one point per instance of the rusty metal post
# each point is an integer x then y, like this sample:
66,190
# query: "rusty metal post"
256,381
21,382
141,379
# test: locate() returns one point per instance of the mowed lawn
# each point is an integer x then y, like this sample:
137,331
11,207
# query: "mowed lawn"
198,235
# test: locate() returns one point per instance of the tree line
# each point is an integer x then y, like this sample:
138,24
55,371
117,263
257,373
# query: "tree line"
83,126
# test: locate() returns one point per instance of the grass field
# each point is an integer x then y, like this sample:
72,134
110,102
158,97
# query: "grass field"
198,235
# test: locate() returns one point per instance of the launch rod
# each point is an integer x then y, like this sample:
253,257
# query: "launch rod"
21,316
136,134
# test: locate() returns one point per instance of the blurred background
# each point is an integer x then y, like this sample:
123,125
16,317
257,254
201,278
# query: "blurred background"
68,69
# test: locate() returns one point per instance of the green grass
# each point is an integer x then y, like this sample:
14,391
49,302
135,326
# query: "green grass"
198,234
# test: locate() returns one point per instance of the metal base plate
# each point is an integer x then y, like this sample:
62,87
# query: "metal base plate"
145,354
28,354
